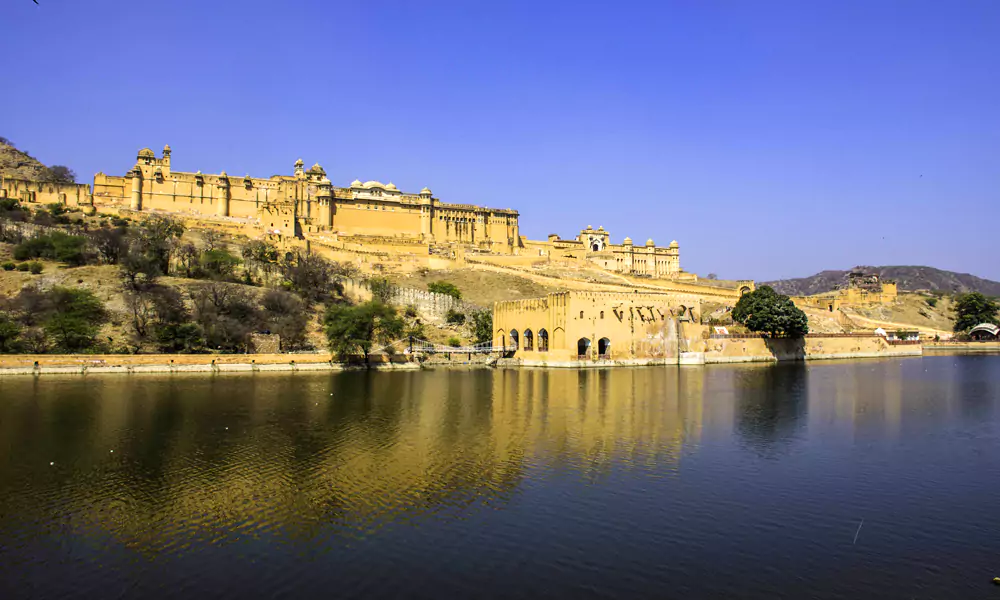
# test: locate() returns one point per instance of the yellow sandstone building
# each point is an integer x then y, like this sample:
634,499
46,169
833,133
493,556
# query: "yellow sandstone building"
573,328
305,203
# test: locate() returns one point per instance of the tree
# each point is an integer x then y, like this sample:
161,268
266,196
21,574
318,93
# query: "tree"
353,328
285,314
58,174
446,288
228,314
260,259
482,326
382,289
453,317
767,311
972,309
74,317
313,277
10,331
111,243
711,276
219,264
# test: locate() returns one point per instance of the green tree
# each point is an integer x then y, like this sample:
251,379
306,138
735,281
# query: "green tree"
350,329
972,309
764,310
10,331
445,287
219,263
74,317
453,317
482,326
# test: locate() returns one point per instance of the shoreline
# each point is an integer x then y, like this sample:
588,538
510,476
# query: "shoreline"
205,364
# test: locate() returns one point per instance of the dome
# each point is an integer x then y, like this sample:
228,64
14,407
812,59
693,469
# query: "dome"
146,153
317,169
356,183
166,149
223,175
373,183
649,243
426,191
390,186
299,163
600,227
674,244
627,242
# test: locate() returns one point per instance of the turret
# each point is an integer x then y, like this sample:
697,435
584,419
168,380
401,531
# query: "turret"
222,191
136,174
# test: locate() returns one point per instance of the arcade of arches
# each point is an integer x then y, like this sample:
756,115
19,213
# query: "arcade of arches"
596,326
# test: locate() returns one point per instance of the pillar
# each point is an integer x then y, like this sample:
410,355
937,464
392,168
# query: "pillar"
222,209
136,203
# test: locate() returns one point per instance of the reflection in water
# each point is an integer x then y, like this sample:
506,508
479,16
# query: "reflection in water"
772,403
456,483
149,459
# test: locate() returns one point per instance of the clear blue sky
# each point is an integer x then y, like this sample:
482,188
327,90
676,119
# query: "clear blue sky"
771,139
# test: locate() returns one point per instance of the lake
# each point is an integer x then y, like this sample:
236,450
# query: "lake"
867,479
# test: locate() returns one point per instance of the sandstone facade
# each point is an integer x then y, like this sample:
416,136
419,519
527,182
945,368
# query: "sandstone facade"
306,203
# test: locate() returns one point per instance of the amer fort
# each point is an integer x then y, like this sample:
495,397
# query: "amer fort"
644,309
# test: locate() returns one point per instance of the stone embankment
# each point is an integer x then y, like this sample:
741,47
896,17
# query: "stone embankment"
26,364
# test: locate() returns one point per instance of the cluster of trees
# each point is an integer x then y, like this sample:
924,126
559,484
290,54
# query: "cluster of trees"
216,315
766,311
974,308
61,319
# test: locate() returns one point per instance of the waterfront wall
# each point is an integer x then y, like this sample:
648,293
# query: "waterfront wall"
76,364
755,349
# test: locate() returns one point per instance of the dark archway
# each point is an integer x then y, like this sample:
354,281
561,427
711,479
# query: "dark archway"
543,340
514,339
604,347
583,347
529,340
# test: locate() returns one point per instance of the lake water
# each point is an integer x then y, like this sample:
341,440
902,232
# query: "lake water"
869,479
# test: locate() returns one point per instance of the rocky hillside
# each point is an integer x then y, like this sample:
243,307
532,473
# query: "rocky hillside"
909,278
18,164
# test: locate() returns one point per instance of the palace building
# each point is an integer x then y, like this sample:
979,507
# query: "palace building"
306,202
647,260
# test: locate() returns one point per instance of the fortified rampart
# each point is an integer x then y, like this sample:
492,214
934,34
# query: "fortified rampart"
428,303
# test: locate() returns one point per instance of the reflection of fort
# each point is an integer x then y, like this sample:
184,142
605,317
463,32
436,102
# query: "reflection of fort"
265,455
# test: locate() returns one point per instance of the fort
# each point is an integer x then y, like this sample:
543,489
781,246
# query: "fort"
860,289
362,217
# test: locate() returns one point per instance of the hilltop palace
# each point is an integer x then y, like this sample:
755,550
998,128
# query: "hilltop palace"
307,206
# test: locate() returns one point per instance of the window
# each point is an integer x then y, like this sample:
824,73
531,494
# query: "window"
602,314
581,314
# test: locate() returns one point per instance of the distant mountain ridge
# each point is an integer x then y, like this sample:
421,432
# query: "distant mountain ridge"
909,278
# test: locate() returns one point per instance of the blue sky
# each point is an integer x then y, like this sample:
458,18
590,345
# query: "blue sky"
770,139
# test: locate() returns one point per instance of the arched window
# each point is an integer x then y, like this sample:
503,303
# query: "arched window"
514,339
581,314
543,340
529,340
602,314
583,348
604,348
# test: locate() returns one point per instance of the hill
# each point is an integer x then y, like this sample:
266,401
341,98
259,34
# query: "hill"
909,278
19,164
